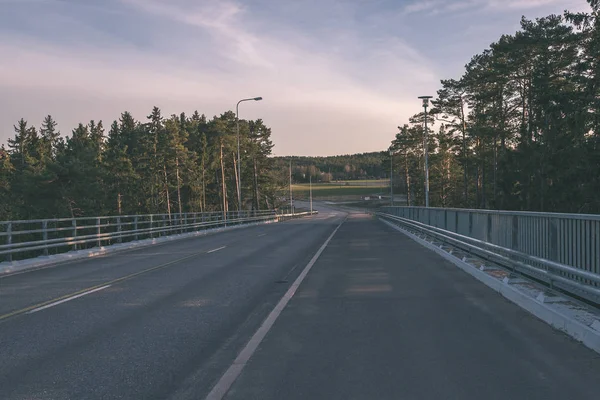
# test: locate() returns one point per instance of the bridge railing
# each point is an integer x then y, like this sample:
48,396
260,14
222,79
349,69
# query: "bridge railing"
32,238
562,250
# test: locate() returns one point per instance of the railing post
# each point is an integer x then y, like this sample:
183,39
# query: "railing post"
554,245
98,232
135,227
164,226
515,233
446,219
74,224
45,236
119,238
470,224
456,222
185,227
9,240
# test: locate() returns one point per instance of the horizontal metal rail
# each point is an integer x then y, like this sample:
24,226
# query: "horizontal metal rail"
567,239
578,282
26,239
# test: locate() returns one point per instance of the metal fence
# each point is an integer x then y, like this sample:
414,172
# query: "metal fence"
561,249
32,238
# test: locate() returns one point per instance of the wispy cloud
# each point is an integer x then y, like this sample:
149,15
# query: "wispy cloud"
421,6
337,76
313,87
434,7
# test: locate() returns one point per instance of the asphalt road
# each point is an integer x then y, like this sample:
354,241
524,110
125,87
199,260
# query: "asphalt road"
377,317
380,317
169,329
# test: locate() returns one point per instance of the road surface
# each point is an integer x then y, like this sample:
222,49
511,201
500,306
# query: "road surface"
377,317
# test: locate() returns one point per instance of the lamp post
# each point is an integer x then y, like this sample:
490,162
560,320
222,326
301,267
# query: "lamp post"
291,198
239,165
310,190
391,178
425,149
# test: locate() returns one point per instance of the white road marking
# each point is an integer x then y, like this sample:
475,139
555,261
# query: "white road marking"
213,250
67,299
232,373
262,234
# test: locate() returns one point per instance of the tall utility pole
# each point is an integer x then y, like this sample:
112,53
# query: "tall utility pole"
425,149
291,201
239,164
391,178
310,190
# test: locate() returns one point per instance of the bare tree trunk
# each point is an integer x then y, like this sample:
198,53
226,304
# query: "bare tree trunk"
256,186
119,203
178,184
237,183
223,187
496,171
203,203
155,177
465,155
448,180
167,191
407,180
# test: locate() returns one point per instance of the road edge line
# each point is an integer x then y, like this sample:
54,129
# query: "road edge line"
573,328
67,299
235,369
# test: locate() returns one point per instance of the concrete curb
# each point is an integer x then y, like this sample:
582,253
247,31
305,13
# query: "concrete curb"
15,267
564,314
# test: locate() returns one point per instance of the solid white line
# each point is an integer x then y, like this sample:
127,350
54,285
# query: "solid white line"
67,299
229,377
213,250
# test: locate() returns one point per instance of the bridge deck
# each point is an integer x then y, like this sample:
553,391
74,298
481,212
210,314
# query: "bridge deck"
377,317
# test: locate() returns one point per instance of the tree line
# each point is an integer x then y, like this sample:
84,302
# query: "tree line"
519,130
161,165
333,168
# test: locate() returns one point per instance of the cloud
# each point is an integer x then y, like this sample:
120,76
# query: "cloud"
223,20
435,7
344,91
420,6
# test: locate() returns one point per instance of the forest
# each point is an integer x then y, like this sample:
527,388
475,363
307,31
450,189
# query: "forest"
334,168
520,129
161,165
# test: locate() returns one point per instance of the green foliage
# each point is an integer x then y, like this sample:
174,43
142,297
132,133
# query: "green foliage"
520,129
333,168
164,165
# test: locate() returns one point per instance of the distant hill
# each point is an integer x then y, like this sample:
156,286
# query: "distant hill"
333,168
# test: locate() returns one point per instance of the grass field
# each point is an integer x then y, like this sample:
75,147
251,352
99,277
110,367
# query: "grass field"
342,189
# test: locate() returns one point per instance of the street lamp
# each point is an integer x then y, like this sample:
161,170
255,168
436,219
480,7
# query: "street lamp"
425,149
239,165
391,177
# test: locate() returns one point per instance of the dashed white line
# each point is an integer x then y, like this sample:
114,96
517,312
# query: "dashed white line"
262,234
213,250
67,299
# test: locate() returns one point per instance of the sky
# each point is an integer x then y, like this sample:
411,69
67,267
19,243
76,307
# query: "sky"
336,76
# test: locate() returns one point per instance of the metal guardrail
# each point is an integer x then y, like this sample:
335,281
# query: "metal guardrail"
562,250
32,238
